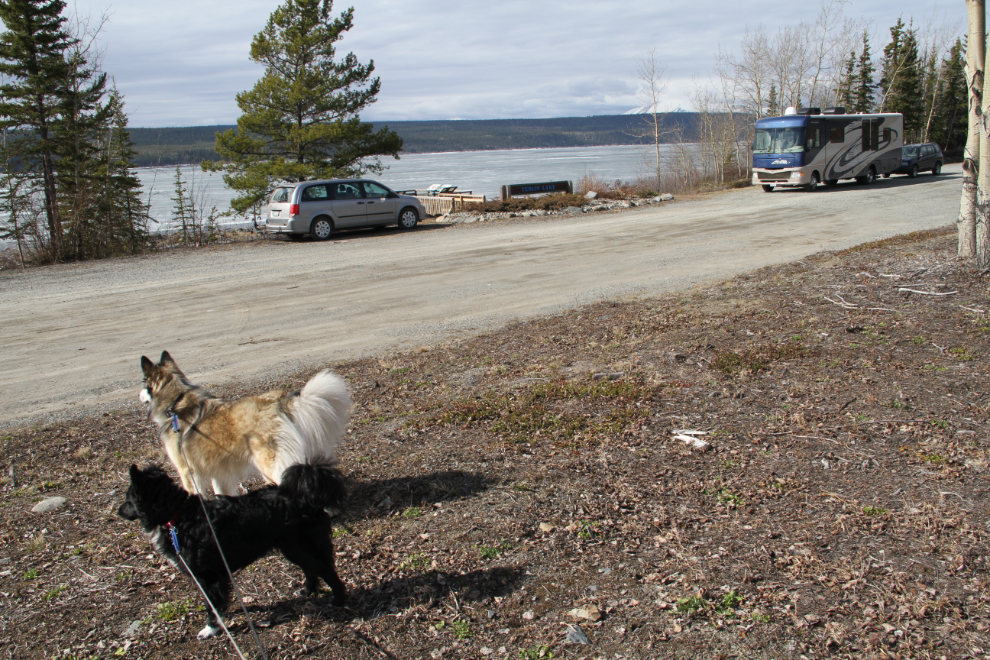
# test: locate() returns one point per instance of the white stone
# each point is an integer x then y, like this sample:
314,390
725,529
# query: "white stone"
48,505
588,612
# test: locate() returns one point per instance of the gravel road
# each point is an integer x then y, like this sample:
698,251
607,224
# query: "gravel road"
73,334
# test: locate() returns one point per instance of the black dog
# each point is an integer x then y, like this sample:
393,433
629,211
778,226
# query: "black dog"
289,517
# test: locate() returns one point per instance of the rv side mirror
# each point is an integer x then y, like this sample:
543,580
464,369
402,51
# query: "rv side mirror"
809,143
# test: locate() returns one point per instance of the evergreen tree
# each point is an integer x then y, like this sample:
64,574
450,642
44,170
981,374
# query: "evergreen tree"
183,209
33,71
864,80
901,80
124,215
83,119
848,84
773,107
300,121
950,126
930,73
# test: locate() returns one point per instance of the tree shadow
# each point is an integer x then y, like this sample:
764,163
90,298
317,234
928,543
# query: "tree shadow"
376,499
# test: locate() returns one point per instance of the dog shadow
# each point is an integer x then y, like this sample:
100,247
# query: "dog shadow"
476,589
377,499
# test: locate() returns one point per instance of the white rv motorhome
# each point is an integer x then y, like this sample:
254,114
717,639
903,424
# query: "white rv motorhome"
807,147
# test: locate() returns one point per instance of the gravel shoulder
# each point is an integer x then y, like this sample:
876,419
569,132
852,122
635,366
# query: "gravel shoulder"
73,333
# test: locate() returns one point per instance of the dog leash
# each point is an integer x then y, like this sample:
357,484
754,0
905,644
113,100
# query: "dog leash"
176,427
216,614
216,539
175,418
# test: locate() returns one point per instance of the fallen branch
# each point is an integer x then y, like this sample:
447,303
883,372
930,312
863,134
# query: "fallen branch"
842,304
927,293
974,310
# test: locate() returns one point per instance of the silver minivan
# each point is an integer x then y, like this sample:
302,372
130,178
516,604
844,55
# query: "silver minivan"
318,208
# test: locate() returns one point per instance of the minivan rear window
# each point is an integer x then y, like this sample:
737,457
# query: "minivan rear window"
280,196
313,193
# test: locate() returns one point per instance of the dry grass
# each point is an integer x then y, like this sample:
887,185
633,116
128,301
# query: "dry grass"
500,481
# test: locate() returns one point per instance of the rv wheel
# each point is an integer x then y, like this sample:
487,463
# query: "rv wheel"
767,188
814,182
868,178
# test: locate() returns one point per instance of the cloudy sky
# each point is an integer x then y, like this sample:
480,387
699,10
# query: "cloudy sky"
181,63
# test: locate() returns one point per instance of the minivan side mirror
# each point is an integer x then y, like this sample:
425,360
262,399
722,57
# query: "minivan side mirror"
392,194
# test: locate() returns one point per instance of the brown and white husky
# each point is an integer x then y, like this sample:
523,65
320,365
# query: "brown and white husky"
220,443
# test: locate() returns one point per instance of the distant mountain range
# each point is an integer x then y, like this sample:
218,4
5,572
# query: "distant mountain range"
193,144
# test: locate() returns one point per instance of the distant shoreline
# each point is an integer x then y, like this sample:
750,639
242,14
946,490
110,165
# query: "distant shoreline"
194,144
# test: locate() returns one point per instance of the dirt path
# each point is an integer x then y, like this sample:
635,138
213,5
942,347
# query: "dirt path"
73,334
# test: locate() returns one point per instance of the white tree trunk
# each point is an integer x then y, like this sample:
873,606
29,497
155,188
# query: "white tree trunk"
983,195
975,57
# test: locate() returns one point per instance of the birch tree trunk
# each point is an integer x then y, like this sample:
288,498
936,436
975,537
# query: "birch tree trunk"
975,57
982,236
651,74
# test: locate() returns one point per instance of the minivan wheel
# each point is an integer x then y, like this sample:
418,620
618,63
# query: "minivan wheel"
937,169
321,228
408,218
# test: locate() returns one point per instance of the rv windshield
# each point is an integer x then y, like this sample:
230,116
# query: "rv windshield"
779,140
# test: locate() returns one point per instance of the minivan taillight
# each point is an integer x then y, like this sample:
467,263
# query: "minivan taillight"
293,209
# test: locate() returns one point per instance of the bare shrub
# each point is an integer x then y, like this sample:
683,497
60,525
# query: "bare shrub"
554,202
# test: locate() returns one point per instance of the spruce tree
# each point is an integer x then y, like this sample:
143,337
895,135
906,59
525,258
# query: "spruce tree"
183,209
951,107
300,121
901,80
33,71
848,84
124,214
864,80
80,133
773,108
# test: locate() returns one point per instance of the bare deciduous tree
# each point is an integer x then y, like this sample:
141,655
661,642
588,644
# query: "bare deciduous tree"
975,57
651,75
799,64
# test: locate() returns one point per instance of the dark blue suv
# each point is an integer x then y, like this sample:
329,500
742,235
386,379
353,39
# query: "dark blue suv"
920,158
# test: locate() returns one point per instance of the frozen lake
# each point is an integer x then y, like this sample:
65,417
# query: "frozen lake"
481,172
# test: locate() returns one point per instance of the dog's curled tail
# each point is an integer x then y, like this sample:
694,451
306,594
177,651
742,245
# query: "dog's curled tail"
316,424
319,485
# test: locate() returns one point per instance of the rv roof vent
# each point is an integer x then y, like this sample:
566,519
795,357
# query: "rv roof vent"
809,111
838,110
790,111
